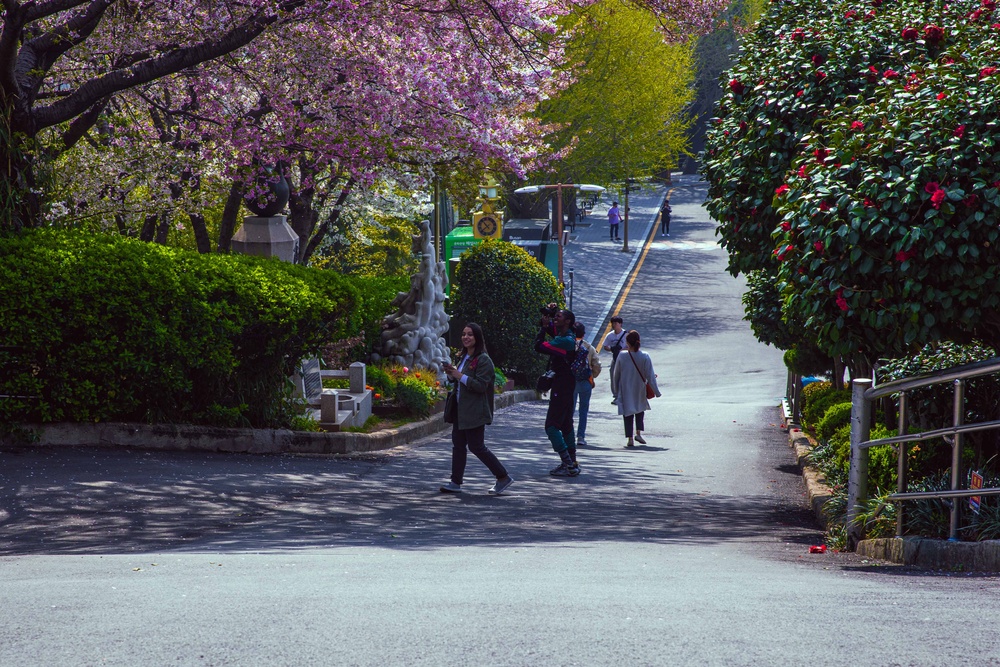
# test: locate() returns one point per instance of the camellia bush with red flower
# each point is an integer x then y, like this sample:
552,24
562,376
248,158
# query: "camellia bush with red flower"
854,169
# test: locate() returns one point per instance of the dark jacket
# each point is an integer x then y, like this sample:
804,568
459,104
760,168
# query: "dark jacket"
475,398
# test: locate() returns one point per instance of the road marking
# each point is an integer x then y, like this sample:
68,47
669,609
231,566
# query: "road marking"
632,275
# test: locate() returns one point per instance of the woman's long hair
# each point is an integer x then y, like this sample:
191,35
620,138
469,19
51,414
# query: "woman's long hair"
632,338
477,333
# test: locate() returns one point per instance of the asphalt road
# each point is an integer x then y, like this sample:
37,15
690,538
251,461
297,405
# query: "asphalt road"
690,550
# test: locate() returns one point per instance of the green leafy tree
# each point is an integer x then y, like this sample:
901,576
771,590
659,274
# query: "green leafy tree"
625,113
854,161
501,287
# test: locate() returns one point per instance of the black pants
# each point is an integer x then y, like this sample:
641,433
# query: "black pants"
475,440
639,425
614,231
664,224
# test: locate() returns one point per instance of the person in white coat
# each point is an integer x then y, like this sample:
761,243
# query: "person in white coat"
633,370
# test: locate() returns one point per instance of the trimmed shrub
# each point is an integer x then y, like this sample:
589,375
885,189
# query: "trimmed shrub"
112,329
836,416
501,287
815,406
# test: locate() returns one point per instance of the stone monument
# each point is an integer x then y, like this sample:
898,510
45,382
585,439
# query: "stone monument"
267,234
414,334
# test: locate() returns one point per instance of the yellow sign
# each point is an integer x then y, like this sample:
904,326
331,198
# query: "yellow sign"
486,225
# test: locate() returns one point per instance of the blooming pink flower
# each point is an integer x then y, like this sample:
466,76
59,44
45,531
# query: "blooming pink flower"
910,34
959,131
857,126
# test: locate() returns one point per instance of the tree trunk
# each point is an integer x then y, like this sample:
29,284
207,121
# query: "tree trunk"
200,230
148,228
330,220
227,227
163,228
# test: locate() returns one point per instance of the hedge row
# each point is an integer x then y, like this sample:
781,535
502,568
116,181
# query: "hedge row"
104,328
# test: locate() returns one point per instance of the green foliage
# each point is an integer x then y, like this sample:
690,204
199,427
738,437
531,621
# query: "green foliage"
762,304
854,161
501,287
835,417
877,516
380,380
114,329
625,114
499,379
806,359
375,297
414,395
814,405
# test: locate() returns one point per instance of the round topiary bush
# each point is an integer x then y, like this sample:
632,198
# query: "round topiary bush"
836,416
501,287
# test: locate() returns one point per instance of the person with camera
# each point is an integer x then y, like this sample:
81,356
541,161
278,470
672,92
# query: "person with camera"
473,380
561,350
614,343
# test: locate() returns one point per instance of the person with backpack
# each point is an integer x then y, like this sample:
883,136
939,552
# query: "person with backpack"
614,343
586,366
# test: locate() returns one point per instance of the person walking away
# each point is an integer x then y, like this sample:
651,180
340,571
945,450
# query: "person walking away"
559,417
614,221
474,379
586,366
630,376
614,343
665,217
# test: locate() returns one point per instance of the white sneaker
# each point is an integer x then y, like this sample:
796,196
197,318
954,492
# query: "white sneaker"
451,487
501,485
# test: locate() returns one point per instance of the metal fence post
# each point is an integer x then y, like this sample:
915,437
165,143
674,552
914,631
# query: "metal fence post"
956,458
901,464
857,485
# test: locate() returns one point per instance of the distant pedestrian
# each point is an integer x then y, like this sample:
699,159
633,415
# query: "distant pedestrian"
631,374
559,417
474,379
614,221
586,367
665,218
614,343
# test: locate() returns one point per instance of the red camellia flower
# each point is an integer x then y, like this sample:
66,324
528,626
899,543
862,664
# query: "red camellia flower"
818,246
820,76
938,198
743,125
870,15
841,301
780,190
986,71
802,171
824,206
798,35
959,131
932,187
891,74
971,200
995,26
989,4
857,126
850,15
869,203
785,226
910,34
736,87
904,255
818,59
872,74
800,93
821,154
941,96
933,33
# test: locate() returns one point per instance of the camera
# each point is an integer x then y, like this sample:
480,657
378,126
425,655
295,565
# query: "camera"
549,310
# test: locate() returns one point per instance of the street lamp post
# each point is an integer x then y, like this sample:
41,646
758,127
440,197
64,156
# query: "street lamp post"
558,187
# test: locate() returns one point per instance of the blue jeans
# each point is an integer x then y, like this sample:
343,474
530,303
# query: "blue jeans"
583,391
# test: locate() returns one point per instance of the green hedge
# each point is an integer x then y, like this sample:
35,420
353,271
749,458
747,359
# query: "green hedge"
112,329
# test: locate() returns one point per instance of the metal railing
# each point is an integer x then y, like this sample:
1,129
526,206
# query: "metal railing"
863,397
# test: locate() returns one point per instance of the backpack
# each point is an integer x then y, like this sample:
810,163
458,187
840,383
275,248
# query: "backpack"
581,366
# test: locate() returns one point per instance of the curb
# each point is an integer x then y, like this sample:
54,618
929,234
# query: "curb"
186,437
816,487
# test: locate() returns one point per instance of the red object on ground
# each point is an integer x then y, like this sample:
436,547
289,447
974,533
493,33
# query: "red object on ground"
817,549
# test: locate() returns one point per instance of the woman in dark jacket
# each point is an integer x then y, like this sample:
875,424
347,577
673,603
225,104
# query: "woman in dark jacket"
474,379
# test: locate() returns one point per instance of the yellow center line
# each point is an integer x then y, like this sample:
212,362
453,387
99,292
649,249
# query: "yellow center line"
631,280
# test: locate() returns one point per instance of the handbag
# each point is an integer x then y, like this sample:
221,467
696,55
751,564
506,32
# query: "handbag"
451,408
545,381
649,390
